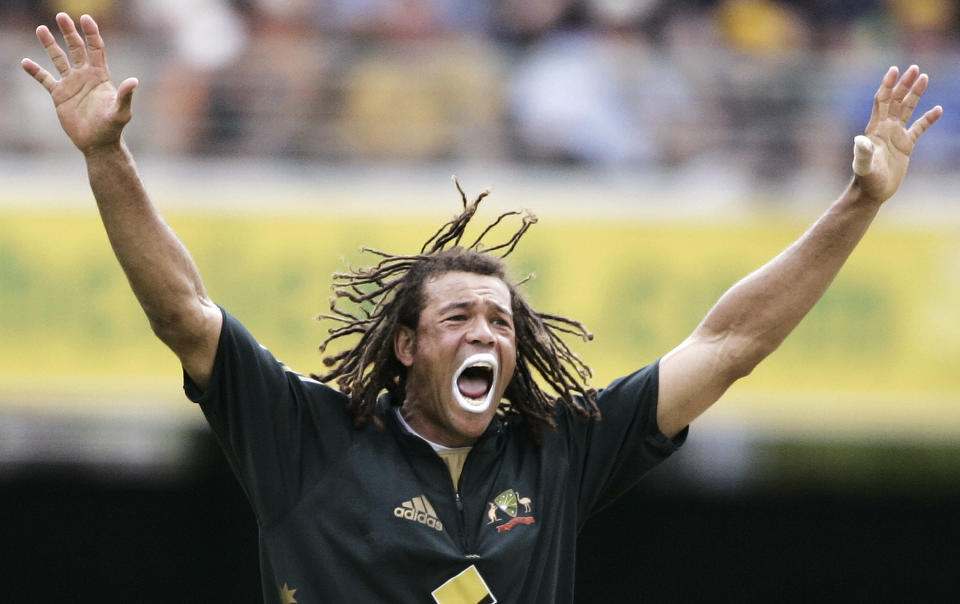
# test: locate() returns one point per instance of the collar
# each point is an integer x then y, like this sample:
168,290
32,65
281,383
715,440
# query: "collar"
435,446
389,411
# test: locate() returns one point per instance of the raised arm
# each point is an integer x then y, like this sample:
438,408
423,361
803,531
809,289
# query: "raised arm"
755,315
93,114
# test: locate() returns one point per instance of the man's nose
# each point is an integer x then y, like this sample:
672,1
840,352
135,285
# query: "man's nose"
480,332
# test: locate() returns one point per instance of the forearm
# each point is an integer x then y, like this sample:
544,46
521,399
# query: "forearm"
758,313
161,272
755,315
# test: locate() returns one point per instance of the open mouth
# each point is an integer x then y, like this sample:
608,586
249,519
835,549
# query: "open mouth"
473,382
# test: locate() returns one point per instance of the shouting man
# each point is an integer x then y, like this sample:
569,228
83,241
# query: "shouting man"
463,450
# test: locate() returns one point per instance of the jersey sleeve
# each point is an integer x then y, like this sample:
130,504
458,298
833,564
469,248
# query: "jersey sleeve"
275,426
614,453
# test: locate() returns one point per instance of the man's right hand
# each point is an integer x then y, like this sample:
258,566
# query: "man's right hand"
91,110
160,271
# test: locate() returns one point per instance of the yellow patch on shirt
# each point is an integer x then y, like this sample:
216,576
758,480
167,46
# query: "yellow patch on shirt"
467,587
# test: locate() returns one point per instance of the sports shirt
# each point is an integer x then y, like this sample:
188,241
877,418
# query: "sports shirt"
371,515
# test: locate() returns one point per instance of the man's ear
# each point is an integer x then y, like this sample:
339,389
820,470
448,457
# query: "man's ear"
404,344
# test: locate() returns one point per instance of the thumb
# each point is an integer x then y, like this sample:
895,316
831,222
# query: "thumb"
125,97
863,149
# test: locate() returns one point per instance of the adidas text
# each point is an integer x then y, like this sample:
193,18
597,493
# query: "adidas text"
419,510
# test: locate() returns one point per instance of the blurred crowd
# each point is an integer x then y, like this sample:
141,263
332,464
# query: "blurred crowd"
773,87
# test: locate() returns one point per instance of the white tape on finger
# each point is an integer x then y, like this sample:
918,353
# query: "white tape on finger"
862,155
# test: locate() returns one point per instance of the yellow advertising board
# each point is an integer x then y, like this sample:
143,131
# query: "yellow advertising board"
882,346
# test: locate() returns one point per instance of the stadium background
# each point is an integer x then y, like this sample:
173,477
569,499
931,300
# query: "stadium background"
668,148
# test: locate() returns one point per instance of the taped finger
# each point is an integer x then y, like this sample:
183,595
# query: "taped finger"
862,155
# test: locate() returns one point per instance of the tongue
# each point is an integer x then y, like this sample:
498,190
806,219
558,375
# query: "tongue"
472,387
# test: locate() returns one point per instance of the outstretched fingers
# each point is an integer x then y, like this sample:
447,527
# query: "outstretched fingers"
923,122
901,91
910,103
881,100
83,51
75,44
898,97
909,90
94,41
56,54
39,74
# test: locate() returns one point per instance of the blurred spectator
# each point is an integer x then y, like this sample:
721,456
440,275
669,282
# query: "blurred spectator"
761,28
17,13
267,100
929,26
404,18
619,13
527,19
765,84
415,100
601,94
382,18
570,102
203,36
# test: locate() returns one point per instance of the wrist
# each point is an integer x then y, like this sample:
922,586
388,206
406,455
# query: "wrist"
857,193
104,151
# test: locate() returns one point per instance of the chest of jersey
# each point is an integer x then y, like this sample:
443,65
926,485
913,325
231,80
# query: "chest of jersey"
393,508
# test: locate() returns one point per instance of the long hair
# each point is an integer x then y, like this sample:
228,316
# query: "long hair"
390,293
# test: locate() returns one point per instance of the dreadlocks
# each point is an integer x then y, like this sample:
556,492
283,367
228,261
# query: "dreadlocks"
391,293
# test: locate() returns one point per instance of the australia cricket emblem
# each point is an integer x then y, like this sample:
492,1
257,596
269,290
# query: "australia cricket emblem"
516,508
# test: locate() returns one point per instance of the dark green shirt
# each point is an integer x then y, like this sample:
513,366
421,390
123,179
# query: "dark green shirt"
370,515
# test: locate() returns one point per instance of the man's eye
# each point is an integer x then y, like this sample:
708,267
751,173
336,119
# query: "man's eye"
457,318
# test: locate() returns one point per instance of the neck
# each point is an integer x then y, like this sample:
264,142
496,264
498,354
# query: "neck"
435,446
415,420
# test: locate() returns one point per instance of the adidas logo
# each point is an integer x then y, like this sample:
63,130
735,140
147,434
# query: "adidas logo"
419,510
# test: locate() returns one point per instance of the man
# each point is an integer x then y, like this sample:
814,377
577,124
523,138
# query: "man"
466,482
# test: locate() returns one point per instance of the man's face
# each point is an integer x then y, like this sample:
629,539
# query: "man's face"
460,358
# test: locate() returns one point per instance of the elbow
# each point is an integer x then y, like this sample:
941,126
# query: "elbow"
177,326
739,357
740,368
166,325
170,327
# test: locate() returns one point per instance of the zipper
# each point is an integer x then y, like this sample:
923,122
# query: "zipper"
465,472
461,522
423,445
